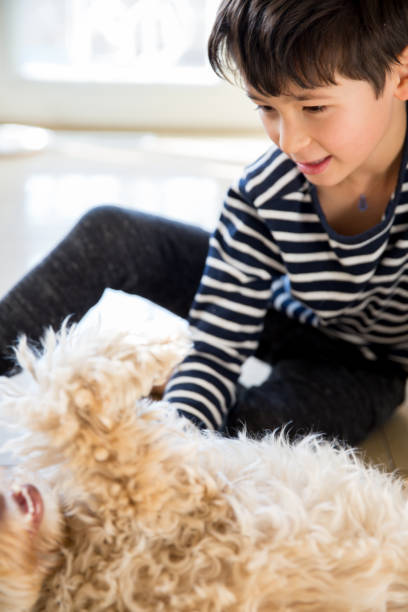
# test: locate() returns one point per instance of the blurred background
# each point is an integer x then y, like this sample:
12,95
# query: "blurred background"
137,64
111,101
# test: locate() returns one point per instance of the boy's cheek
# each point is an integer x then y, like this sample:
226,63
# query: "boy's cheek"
340,139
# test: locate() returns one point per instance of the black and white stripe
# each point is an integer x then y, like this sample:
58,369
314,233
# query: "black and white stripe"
273,248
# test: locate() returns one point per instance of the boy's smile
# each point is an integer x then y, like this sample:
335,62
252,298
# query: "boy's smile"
339,135
315,167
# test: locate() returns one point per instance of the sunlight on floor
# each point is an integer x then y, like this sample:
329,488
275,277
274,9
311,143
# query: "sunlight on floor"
43,194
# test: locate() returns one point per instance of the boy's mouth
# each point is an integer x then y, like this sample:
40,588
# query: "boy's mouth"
316,167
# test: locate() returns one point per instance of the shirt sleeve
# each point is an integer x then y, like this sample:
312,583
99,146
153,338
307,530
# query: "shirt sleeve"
227,314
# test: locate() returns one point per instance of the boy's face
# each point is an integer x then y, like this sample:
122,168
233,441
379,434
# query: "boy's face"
336,134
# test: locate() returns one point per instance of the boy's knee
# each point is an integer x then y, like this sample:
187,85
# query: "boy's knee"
101,224
104,215
98,228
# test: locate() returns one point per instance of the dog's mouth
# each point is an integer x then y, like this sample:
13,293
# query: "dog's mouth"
30,503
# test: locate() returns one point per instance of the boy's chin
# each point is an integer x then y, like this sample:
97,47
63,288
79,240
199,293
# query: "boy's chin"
325,179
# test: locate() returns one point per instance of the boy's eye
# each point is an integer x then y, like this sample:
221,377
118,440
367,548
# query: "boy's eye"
265,109
309,109
315,109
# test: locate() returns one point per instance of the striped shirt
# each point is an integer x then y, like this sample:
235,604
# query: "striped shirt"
273,248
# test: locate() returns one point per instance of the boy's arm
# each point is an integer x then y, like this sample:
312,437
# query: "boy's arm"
227,314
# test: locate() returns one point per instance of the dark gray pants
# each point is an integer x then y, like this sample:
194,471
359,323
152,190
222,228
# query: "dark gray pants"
317,384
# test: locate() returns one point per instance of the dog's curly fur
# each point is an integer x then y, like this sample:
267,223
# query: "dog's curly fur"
142,512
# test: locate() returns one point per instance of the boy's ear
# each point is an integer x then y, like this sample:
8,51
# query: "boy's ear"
401,90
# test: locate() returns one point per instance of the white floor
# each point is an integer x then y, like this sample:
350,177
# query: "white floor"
43,194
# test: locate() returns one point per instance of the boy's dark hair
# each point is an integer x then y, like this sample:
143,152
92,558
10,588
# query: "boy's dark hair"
269,44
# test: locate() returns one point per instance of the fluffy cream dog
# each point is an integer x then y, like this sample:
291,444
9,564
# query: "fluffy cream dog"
127,508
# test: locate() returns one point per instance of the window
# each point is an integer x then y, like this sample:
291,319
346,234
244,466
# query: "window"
142,41
118,63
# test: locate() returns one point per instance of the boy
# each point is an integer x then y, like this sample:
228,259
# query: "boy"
321,219
307,266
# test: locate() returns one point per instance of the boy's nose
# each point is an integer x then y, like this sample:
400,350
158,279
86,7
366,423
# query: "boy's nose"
292,138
